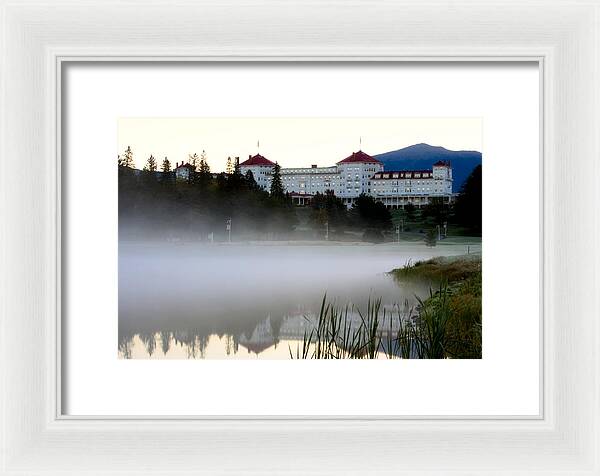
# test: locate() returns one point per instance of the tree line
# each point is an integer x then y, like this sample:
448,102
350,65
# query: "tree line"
152,204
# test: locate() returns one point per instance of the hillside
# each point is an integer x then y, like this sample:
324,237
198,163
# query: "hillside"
423,156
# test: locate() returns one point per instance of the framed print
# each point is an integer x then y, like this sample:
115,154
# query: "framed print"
211,266
357,239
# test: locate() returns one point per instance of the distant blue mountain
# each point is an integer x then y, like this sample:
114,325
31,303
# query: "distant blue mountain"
423,156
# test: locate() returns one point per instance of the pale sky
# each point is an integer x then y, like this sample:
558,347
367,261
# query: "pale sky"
293,142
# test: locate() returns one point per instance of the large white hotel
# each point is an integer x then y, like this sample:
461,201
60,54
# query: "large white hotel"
356,174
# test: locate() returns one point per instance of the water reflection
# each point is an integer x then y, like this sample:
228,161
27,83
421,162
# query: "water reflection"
274,339
219,302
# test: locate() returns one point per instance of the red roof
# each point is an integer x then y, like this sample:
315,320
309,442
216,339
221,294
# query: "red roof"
257,160
442,163
361,157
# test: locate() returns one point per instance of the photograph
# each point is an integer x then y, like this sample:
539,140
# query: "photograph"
299,238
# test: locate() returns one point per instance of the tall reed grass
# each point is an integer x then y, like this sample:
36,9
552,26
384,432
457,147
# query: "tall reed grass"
408,333
445,325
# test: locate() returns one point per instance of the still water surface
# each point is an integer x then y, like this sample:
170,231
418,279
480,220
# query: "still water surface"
240,301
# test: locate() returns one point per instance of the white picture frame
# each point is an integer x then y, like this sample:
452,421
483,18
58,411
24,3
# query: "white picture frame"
38,37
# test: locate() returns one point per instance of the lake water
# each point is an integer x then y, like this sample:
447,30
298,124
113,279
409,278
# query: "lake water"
250,300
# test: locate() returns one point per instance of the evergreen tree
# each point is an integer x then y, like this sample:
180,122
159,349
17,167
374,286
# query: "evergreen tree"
409,211
126,160
277,190
236,181
229,166
150,164
251,183
194,161
467,209
204,167
366,212
203,175
166,176
221,182
436,211
431,237
327,208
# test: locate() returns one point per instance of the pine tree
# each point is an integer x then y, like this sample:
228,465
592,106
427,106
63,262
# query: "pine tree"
250,180
431,237
367,212
204,167
166,165
467,209
150,164
229,166
236,167
276,184
126,160
410,211
194,161
327,208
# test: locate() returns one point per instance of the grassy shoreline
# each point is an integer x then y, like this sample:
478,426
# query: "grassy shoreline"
458,298
449,269
445,325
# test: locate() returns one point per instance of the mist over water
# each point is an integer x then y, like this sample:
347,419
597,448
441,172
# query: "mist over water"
188,300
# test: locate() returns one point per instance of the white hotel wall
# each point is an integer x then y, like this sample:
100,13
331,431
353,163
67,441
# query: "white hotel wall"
349,180
311,180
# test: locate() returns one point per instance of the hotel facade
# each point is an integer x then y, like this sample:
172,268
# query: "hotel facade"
359,173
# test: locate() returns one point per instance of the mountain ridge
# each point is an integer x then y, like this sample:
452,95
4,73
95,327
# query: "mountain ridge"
423,156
